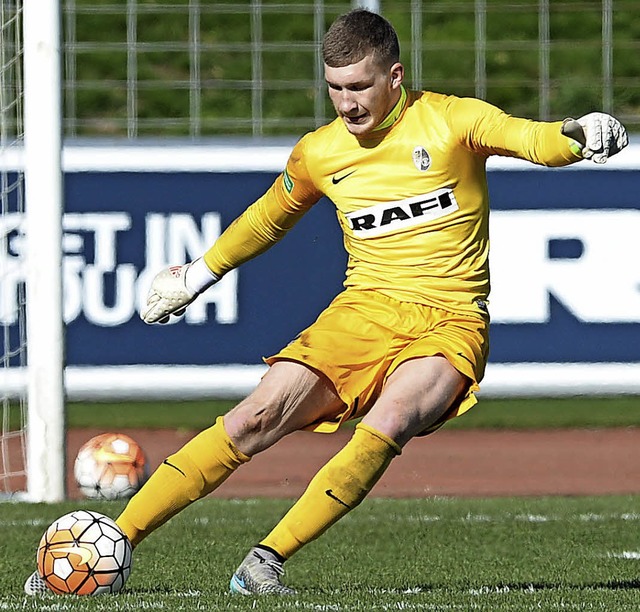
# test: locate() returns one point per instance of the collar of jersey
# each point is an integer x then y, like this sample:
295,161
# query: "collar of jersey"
396,111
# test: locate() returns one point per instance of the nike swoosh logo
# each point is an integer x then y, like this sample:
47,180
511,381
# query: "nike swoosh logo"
330,494
84,553
177,469
336,179
466,359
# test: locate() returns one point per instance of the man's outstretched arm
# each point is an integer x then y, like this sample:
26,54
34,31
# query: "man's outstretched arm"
488,130
262,225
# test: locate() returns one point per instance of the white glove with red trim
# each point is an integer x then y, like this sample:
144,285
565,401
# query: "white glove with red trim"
174,288
599,135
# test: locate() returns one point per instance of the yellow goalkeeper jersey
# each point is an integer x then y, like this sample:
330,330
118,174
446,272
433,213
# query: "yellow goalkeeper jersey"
411,199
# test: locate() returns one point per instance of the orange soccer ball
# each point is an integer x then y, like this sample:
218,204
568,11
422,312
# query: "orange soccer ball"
84,553
110,466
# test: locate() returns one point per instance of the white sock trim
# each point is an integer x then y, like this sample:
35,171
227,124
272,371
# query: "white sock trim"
199,277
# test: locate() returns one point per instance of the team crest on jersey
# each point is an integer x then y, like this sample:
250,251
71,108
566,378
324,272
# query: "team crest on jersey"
421,158
391,217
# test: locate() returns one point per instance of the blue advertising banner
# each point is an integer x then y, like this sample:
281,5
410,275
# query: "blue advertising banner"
135,224
564,263
565,274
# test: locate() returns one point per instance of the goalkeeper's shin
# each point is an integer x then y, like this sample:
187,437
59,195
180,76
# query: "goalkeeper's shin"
198,468
336,489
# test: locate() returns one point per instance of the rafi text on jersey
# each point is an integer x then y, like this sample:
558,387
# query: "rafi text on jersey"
391,217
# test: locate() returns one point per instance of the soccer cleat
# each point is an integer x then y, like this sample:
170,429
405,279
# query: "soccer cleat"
35,585
259,574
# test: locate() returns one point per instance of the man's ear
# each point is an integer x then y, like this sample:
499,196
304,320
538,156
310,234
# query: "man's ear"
396,75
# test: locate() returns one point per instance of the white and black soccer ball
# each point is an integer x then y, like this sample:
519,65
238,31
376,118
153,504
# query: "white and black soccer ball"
84,553
110,466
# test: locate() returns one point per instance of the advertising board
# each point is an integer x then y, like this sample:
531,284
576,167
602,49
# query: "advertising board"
564,266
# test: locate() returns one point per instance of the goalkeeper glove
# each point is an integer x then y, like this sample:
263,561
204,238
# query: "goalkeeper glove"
174,288
599,135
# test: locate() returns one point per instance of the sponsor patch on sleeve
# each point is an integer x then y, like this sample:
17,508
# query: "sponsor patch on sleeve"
288,183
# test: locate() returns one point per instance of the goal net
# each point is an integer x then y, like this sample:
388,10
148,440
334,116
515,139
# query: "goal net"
13,448
31,385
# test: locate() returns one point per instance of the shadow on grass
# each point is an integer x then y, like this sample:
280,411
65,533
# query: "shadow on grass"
523,587
616,585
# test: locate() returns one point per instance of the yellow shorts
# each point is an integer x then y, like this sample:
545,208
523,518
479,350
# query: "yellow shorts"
363,336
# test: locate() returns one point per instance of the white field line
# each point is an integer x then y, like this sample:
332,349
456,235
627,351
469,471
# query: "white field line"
24,523
420,518
626,554
509,518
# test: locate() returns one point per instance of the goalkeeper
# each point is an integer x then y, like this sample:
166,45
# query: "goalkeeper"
404,346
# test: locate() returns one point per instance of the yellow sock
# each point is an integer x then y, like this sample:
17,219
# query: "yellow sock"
200,466
335,490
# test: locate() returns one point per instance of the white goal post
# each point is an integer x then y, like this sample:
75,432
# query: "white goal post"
31,249
43,188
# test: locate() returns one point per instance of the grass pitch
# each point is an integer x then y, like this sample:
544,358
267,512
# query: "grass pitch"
429,554
514,413
436,554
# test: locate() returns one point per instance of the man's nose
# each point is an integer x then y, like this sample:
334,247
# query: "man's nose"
346,102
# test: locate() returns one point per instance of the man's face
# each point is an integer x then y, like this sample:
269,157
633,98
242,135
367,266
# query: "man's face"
363,93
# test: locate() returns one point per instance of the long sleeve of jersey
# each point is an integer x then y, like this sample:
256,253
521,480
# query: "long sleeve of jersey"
267,220
487,130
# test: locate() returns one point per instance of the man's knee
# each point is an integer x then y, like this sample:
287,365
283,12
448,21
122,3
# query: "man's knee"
417,396
252,418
